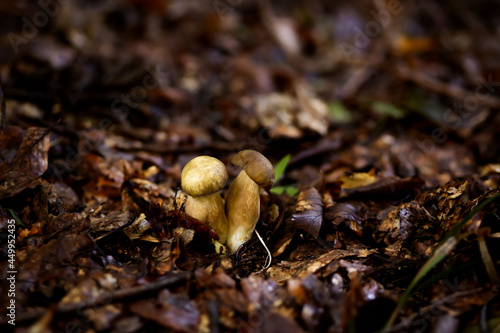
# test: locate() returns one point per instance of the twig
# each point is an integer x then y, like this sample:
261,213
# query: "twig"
324,146
107,297
364,71
213,314
444,88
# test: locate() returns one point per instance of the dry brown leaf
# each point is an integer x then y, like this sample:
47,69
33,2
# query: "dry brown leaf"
309,212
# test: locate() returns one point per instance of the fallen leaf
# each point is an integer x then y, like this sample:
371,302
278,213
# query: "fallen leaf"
309,212
13,181
180,319
32,155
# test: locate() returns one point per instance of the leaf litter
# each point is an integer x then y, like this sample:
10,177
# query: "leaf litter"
102,113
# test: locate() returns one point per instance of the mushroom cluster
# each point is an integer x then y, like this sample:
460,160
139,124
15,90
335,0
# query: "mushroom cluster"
202,179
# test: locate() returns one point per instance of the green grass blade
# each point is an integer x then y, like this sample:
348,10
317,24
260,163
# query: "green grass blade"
447,245
388,110
14,215
278,190
280,168
436,258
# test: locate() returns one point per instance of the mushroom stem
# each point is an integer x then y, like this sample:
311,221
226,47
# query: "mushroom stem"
209,209
242,209
243,196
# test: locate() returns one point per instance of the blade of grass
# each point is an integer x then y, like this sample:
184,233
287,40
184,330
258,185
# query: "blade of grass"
14,215
447,245
456,228
444,274
440,253
280,168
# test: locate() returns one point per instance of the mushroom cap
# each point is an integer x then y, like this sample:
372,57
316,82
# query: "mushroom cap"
203,175
257,167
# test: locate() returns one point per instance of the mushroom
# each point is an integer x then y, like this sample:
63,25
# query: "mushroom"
202,179
243,196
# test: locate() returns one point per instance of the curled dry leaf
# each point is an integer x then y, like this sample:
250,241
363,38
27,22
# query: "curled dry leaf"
182,317
309,212
351,213
32,156
138,227
13,181
10,139
109,222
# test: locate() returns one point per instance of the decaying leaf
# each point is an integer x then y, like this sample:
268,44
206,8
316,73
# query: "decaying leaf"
10,140
351,213
93,140
13,181
111,221
288,116
32,155
181,316
138,227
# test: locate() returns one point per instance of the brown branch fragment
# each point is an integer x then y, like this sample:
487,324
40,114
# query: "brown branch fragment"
444,88
107,297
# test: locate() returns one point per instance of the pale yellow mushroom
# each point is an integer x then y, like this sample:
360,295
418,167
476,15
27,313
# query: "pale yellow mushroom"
243,196
202,179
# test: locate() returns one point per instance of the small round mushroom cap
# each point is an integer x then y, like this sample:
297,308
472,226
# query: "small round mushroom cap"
257,167
203,175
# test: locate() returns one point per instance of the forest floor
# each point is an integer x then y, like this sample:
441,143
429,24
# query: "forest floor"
380,117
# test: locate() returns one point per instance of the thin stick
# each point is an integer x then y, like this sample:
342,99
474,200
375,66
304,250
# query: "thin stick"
444,88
